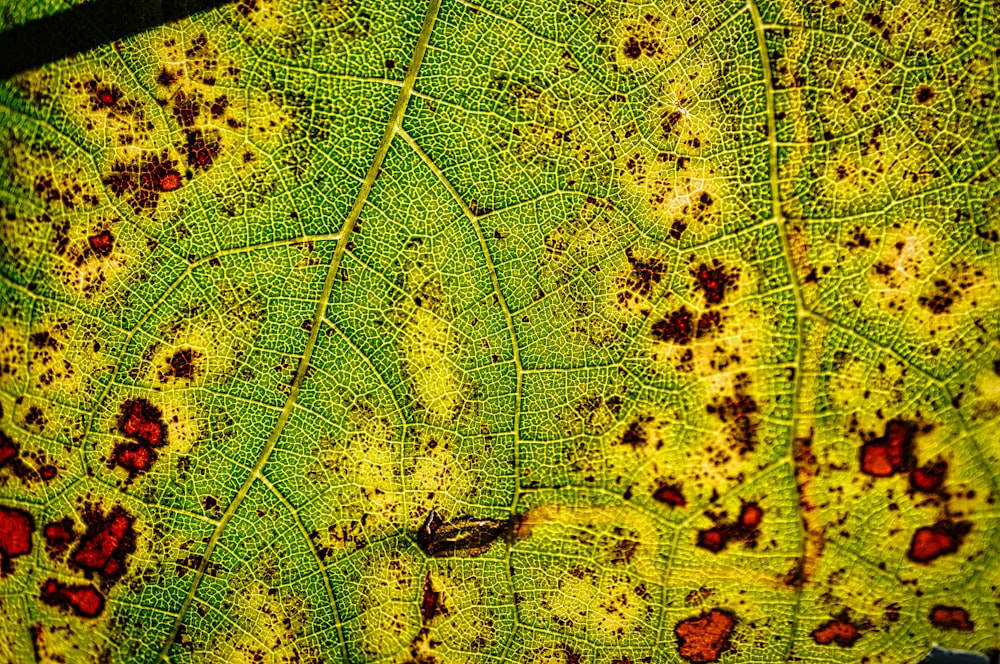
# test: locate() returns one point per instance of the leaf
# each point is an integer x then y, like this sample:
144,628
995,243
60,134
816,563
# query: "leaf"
333,330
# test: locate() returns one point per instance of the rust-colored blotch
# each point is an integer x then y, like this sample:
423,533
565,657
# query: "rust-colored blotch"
839,631
706,637
84,600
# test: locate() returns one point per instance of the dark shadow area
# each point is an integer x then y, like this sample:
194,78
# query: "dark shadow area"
87,26
942,656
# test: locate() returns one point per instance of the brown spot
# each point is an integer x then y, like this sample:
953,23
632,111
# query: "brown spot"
186,109
677,229
102,243
102,96
890,453
201,151
16,527
632,50
932,542
48,472
951,617
745,529
58,536
674,328
714,281
924,94
705,638
670,494
738,410
646,273
634,436
941,300
84,600
105,547
929,477
464,536
182,364
840,631
430,606
143,183
166,78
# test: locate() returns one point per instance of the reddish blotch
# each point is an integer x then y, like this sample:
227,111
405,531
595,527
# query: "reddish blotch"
706,637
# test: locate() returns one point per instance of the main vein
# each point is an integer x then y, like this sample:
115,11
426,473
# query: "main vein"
392,128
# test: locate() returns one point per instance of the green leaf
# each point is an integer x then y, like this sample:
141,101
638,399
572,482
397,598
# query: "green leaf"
336,330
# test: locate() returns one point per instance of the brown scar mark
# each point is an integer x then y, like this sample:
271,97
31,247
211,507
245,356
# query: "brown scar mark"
928,478
745,529
105,547
931,542
430,605
890,453
464,536
714,281
706,637
951,618
840,631
806,470
16,528
670,494
102,243
84,600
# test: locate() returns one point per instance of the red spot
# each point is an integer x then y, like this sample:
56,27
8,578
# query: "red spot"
951,617
58,536
106,545
83,600
133,457
928,478
48,472
890,453
16,527
751,515
8,449
713,539
705,638
142,421
670,494
430,606
102,243
714,281
102,96
840,631
676,327
932,542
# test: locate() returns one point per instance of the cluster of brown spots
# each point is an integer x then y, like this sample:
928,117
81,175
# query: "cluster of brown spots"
181,364
83,600
951,617
102,243
58,536
644,276
102,96
670,494
890,453
709,322
676,328
931,542
143,423
105,547
143,183
430,605
941,300
738,411
840,630
16,528
714,281
705,637
745,529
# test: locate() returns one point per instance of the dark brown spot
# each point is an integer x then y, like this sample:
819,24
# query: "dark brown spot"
102,96
105,547
931,542
940,301
670,494
924,94
186,109
675,328
430,606
706,637
8,449
634,436
840,631
58,536
738,412
929,477
166,78
677,229
102,243
632,50
708,322
84,600
16,527
464,536
182,364
951,617
714,281
201,151
890,453
646,273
